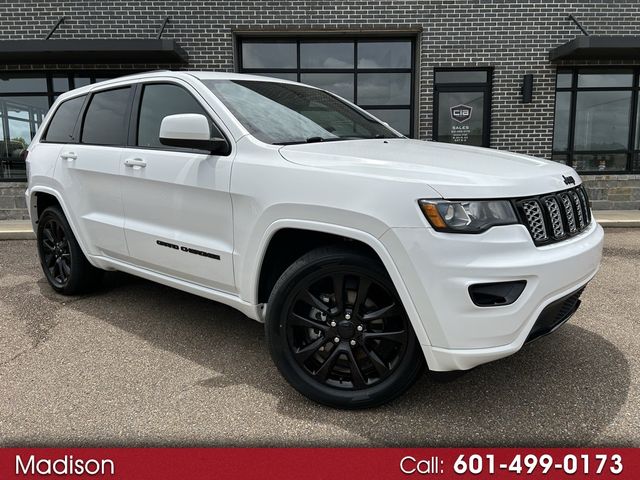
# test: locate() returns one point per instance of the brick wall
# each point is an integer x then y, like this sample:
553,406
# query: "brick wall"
514,37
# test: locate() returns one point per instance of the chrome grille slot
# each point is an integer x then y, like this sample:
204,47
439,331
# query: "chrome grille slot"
568,211
556,216
535,219
553,208
576,203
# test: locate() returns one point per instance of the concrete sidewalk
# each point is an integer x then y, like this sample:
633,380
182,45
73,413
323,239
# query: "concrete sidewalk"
21,229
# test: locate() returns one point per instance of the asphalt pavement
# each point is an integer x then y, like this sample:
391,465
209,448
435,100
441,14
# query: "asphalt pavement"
140,364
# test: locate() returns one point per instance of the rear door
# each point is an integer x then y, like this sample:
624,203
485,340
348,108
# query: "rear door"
89,171
178,217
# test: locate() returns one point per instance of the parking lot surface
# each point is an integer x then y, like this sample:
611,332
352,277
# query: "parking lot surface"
140,364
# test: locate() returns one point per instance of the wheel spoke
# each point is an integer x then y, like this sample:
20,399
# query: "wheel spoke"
48,260
361,295
307,351
380,366
398,337
338,290
300,321
310,299
356,374
388,311
323,372
47,233
48,245
66,269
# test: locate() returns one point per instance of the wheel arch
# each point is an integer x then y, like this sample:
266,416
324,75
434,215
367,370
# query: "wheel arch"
51,197
337,232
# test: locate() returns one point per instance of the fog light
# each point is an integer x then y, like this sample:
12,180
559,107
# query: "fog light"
496,294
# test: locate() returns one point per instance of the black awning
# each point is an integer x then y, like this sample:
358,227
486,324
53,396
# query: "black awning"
598,47
136,50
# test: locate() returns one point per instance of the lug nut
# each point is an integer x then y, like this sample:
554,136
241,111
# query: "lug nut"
336,340
347,316
359,328
333,324
353,343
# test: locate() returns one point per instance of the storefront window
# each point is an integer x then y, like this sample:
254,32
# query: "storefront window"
24,101
594,118
376,74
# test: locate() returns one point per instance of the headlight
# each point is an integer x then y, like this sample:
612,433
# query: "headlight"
468,216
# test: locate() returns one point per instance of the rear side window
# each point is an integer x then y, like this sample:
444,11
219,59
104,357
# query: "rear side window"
105,121
159,101
64,121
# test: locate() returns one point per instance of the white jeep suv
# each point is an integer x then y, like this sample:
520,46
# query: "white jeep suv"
365,253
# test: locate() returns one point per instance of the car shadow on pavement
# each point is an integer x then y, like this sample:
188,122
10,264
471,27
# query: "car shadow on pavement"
562,390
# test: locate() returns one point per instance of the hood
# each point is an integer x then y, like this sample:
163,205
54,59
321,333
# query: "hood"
454,171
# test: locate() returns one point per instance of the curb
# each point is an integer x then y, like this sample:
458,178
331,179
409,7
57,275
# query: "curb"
17,235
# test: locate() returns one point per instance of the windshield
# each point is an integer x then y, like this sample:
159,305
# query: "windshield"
284,114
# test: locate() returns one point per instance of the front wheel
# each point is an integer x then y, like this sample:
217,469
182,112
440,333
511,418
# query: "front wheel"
338,332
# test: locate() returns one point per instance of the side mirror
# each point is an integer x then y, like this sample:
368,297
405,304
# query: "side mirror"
190,130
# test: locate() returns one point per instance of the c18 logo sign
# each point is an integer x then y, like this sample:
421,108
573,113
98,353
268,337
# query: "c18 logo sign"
461,113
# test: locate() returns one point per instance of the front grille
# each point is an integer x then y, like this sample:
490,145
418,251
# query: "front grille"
554,217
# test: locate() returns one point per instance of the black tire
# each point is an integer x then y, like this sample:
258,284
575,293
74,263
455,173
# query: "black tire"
64,265
352,350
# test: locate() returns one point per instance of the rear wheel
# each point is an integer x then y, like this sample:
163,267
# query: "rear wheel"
64,265
338,332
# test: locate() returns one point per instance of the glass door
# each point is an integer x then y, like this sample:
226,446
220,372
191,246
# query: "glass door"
462,108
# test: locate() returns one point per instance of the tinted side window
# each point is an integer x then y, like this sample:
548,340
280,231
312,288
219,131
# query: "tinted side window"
64,121
159,101
105,122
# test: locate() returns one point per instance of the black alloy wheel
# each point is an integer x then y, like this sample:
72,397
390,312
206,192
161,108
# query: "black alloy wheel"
343,337
64,265
56,253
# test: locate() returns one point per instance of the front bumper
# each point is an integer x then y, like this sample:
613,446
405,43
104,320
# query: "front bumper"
438,269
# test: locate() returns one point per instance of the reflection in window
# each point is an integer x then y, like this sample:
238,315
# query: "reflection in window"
561,124
269,55
339,83
384,88
384,55
22,84
326,55
400,119
461,76
590,78
602,120
21,117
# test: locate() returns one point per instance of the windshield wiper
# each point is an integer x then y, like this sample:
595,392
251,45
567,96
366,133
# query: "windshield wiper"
308,140
332,139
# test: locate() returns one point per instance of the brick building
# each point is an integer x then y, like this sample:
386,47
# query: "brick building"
520,76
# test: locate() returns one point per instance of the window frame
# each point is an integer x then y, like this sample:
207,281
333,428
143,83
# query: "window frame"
134,118
411,107
632,153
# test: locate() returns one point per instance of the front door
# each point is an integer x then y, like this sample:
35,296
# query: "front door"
462,106
178,216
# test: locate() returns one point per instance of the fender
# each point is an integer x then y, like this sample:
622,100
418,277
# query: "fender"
347,232
34,221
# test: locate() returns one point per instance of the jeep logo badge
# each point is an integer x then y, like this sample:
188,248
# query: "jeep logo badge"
461,113
569,180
